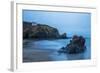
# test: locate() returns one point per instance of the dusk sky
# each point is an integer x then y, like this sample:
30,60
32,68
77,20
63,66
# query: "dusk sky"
71,23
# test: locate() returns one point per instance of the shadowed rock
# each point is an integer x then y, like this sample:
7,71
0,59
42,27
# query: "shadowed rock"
76,45
27,26
63,35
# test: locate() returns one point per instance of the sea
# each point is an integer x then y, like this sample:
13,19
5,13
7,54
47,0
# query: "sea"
51,47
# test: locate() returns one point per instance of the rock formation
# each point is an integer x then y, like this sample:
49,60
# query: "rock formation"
27,26
76,45
41,31
63,35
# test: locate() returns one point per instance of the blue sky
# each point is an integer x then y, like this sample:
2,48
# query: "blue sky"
69,22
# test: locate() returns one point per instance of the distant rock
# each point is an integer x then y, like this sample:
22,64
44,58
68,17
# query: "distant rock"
63,36
41,31
76,45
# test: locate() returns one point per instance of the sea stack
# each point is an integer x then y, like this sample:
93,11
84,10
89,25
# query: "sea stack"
76,45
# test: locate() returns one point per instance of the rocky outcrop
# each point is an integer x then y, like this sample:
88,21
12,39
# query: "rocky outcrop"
44,31
76,45
63,35
27,26
41,31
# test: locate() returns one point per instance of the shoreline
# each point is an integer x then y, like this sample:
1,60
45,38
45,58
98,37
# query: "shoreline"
35,54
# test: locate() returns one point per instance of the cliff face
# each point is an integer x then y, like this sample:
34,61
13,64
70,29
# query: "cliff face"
41,31
44,31
27,26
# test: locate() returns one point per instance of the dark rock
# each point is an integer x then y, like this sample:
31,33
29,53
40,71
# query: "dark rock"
76,45
63,36
26,29
62,50
40,31
44,31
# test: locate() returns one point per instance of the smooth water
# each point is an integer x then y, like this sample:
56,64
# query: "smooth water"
50,49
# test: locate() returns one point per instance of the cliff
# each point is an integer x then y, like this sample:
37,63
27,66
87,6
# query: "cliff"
41,31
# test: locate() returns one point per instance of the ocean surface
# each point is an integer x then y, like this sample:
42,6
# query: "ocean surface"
47,50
